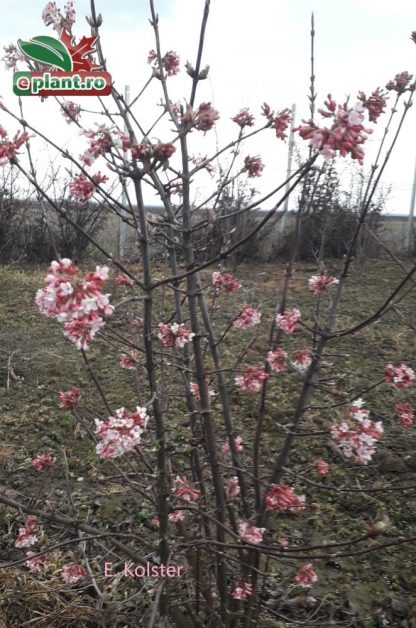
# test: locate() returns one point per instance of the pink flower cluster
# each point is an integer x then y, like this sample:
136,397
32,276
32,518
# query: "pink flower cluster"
346,135
170,62
238,445
174,335
242,590
25,536
281,497
83,189
8,148
43,462
250,533
120,434
205,117
318,283
404,413
71,111
321,467
301,360
183,490
76,302
51,15
306,575
399,377
287,321
375,103
129,362
102,141
252,379
145,151
400,83
38,563
12,57
277,360
176,516
70,574
254,166
243,118
248,317
225,283
197,393
279,122
358,440
69,399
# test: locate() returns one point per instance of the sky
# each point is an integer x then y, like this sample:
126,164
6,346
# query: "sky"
257,51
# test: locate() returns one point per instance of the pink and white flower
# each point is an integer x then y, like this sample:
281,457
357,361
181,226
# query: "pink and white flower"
250,533
183,490
358,440
318,283
301,360
43,462
232,487
321,467
400,377
242,590
70,574
25,536
287,321
225,283
404,413
129,361
176,516
281,497
69,399
174,335
37,564
120,434
252,380
238,441
248,317
306,575
277,360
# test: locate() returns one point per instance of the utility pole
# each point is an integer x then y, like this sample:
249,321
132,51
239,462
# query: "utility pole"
122,234
289,169
410,230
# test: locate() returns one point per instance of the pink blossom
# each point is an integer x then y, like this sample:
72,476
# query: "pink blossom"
375,104
279,122
205,117
321,467
43,462
346,135
69,399
277,360
358,439
174,335
38,563
404,413
252,380
248,317
301,360
399,377
124,280
9,148
254,166
120,434
25,536
101,141
281,497
142,151
287,321
72,573
51,15
71,111
306,575
243,118
12,57
162,152
176,515
183,490
242,590
400,83
250,533
83,189
202,162
238,445
232,487
129,361
170,62
76,302
225,283
318,283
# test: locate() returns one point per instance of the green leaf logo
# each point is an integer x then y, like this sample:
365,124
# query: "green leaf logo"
47,50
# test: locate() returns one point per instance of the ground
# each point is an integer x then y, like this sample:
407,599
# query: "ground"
368,590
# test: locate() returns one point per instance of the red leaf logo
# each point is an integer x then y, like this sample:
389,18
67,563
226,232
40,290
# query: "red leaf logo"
80,51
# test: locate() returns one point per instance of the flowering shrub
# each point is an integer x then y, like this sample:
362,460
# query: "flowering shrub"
202,498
